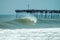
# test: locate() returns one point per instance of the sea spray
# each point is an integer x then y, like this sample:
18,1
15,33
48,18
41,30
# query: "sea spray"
27,17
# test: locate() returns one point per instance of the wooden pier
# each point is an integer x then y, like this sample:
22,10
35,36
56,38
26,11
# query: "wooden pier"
50,14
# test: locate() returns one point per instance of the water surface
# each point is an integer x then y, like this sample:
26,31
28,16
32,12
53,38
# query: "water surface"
11,22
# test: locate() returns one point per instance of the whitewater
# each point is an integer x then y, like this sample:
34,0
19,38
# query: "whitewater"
30,34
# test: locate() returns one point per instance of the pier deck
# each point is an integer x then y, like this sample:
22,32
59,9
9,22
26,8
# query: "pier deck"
38,11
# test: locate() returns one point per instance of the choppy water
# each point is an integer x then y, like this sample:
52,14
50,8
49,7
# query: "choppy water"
12,28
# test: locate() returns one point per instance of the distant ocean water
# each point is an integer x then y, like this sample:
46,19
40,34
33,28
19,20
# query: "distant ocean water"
13,28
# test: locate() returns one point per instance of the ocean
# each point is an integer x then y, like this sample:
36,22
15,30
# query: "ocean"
13,28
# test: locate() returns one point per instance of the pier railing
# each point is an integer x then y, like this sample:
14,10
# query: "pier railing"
38,11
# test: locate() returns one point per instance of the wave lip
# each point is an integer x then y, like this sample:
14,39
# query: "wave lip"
31,19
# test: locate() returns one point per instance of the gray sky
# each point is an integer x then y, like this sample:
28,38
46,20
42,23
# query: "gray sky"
9,6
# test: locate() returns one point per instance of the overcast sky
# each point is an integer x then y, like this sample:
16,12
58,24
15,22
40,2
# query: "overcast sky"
9,6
